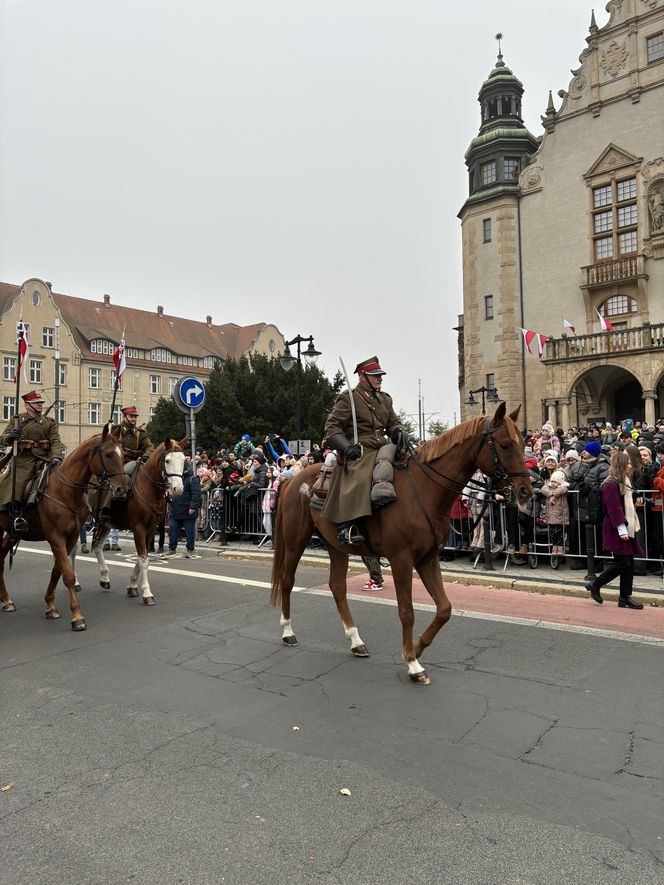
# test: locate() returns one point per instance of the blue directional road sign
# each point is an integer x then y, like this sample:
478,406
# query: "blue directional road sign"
189,394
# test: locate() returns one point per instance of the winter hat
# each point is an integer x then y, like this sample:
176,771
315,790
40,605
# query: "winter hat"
558,476
593,448
572,455
547,428
245,437
259,456
551,455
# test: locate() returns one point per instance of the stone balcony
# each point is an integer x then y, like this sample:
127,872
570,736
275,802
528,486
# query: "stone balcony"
605,344
606,273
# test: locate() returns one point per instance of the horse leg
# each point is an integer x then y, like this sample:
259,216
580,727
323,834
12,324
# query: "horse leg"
429,570
63,567
402,573
337,584
98,550
141,569
72,560
51,613
5,547
292,556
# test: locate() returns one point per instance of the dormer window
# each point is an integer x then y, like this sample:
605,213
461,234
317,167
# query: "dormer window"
161,355
208,362
103,346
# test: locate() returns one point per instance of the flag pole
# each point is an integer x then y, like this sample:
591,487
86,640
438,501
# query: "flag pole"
118,374
15,443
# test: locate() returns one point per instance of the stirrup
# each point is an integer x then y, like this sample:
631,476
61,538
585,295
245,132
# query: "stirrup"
348,533
20,525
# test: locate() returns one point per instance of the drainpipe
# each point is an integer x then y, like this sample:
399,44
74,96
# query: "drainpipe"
523,349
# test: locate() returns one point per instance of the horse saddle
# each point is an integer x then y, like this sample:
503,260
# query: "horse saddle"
34,490
382,480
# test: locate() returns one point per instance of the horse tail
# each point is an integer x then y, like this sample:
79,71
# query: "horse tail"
278,556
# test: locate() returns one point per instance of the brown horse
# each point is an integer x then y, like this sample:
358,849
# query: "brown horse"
142,511
58,516
408,532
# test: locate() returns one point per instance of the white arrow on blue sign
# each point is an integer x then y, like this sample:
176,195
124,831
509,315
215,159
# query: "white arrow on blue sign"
191,393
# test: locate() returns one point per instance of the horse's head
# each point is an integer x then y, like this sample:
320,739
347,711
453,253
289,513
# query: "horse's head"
501,453
107,462
173,469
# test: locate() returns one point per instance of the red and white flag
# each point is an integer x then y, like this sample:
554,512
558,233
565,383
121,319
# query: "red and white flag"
604,323
119,358
567,324
540,340
23,349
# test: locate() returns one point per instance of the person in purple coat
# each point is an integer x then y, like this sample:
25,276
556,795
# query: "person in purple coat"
619,532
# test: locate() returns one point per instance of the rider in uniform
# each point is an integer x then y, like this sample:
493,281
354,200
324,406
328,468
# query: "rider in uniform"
349,498
38,444
136,445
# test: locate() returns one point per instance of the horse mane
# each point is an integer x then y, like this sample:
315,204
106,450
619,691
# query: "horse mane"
441,445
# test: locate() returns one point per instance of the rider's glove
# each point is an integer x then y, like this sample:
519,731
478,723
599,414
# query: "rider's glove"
400,440
353,452
13,434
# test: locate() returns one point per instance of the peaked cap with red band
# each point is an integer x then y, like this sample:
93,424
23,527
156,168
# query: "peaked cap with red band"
369,367
32,398
129,410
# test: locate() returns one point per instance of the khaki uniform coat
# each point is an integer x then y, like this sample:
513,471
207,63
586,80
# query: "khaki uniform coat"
135,443
350,492
41,430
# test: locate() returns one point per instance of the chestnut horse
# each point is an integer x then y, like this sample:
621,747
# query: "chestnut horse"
408,532
58,516
142,511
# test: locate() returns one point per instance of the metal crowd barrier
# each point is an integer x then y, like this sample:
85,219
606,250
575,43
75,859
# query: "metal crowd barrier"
228,514
504,528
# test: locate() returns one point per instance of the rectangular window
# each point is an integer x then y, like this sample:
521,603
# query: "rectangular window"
655,46
62,373
488,307
116,417
61,412
132,353
511,169
152,412
603,222
627,242
602,196
94,413
487,172
8,407
172,382
9,368
490,380
486,230
35,371
627,190
627,215
155,384
603,248
48,336
94,379
113,381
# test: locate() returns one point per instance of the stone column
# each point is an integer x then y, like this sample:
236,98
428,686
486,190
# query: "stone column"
551,411
565,404
649,397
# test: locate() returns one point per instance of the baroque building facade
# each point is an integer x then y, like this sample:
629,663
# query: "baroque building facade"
72,342
571,224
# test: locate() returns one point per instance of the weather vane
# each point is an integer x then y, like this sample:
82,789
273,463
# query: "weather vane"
499,37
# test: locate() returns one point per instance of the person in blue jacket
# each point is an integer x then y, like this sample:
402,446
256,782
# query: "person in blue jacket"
184,512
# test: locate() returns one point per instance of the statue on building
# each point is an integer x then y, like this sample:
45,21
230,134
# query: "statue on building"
656,208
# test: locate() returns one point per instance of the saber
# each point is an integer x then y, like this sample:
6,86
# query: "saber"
352,400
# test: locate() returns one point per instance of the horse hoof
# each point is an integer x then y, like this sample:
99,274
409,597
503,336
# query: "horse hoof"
289,640
52,615
105,585
422,678
132,591
79,625
77,588
360,651
9,607
148,600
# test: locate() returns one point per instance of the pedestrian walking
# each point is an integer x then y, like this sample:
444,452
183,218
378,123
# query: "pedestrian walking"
184,511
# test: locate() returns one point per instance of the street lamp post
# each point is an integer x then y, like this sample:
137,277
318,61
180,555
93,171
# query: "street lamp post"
287,361
489,394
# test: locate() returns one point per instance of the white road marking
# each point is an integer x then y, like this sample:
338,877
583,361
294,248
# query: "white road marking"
375,600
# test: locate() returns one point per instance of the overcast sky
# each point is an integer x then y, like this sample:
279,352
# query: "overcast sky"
290,161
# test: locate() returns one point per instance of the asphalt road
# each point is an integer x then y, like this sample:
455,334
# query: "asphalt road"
183,743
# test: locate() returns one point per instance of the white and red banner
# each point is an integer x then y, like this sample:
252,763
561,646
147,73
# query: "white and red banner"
604,323
119,359
23,350
539,340
567,325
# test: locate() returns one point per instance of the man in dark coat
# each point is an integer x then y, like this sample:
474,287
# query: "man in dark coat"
184,511
349,497
38,443
587,479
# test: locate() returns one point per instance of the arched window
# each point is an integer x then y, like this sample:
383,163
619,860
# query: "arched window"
617,305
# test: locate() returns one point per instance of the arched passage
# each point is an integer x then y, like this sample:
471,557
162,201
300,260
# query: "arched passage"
608,393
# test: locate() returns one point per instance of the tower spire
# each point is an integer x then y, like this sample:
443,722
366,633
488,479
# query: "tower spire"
499,37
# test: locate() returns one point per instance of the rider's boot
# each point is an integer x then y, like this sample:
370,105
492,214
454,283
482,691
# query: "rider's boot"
348,533
20,525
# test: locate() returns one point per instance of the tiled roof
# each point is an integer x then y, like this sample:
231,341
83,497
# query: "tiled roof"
144,329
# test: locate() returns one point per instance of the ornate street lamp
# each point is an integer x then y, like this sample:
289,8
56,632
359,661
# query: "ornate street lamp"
287,361
489,394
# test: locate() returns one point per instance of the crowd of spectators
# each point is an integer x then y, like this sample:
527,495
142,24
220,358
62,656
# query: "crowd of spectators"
567,469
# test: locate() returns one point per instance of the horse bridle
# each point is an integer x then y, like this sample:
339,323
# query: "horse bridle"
164,474
104,477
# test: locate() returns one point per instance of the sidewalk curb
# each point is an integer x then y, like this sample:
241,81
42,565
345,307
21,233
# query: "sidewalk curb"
454,576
